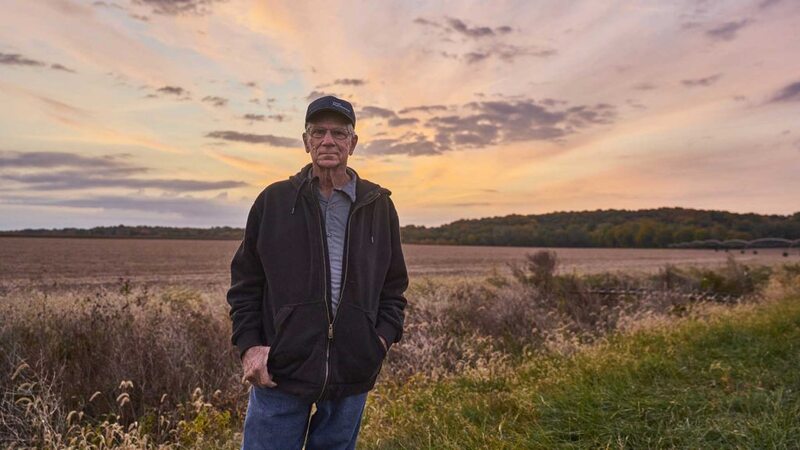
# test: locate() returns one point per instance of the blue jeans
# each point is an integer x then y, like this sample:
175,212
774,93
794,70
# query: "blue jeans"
277,420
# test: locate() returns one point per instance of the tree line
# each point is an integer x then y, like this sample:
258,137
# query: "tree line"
135,231
649,228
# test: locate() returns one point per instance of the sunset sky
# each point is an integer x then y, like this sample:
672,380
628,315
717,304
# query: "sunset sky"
179,112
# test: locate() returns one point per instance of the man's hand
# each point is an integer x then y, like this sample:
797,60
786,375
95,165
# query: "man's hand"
383,341
254,364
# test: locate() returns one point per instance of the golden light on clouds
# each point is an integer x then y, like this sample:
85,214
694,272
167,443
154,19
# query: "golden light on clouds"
468,109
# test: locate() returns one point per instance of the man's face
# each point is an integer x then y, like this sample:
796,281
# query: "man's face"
329,148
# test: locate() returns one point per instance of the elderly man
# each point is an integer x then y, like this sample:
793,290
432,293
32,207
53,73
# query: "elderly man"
316,296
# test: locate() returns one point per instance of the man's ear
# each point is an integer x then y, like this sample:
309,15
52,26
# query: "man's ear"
305,143
355,141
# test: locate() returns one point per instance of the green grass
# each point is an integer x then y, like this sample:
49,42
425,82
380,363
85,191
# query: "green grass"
729,382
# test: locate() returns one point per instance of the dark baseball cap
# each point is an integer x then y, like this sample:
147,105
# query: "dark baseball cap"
331,103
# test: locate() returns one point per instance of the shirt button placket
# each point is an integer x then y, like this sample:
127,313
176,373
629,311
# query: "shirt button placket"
328,217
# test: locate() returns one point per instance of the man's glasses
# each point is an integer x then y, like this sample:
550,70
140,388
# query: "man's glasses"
340,134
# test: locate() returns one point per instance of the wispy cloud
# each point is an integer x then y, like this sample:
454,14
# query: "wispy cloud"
171,91
249,138
178,7
9,159
183,206
477,31
75,172
416,147
350,82
79,179
423,108
215,100
702,82
728,30
266,102
104,4
61,110
344,82
62,68
507,53
15,59
789,93
768,3
261,117
452,24
315,94
644,86
254,117
401,121
369,112
393,120
111,5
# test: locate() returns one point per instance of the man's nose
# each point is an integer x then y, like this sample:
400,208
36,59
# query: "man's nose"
328,138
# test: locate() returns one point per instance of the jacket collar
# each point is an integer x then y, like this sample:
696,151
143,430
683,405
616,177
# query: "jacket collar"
365,190
348,189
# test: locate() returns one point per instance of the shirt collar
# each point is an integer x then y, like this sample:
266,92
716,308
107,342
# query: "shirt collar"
349,188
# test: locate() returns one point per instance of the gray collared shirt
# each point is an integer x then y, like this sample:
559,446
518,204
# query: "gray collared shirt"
335,212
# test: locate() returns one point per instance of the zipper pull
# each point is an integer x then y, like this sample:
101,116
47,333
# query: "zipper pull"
330,331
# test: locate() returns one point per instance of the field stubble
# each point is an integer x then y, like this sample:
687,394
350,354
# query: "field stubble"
58,263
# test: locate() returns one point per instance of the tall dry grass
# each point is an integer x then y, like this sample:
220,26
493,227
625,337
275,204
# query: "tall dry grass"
478,323
126,356
133,367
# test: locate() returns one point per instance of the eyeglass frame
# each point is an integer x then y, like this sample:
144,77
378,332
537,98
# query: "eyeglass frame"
348,132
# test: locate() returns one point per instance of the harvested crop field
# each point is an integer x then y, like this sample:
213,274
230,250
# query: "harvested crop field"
87,262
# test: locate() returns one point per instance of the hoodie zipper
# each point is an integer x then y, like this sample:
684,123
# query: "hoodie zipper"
341,288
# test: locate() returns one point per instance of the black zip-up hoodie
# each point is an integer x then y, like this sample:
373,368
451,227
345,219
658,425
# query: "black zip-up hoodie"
280,289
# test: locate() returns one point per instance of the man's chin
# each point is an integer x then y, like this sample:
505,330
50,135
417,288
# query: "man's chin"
328,163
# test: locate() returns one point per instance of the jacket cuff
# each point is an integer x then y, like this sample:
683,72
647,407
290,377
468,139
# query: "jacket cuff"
388,332
247,340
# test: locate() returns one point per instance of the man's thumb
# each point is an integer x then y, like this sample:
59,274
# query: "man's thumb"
265,379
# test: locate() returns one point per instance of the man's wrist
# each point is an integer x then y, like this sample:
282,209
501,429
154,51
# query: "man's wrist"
247,340
387,332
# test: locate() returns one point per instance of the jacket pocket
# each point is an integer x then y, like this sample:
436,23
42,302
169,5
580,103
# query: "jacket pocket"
297,352
357,352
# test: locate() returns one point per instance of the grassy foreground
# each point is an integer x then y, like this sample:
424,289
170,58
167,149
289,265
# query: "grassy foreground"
730,380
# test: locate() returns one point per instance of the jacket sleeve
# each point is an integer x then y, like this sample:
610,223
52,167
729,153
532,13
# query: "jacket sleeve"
392,301
248,285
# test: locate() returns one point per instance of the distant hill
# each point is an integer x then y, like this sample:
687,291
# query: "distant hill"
607,228
602,228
